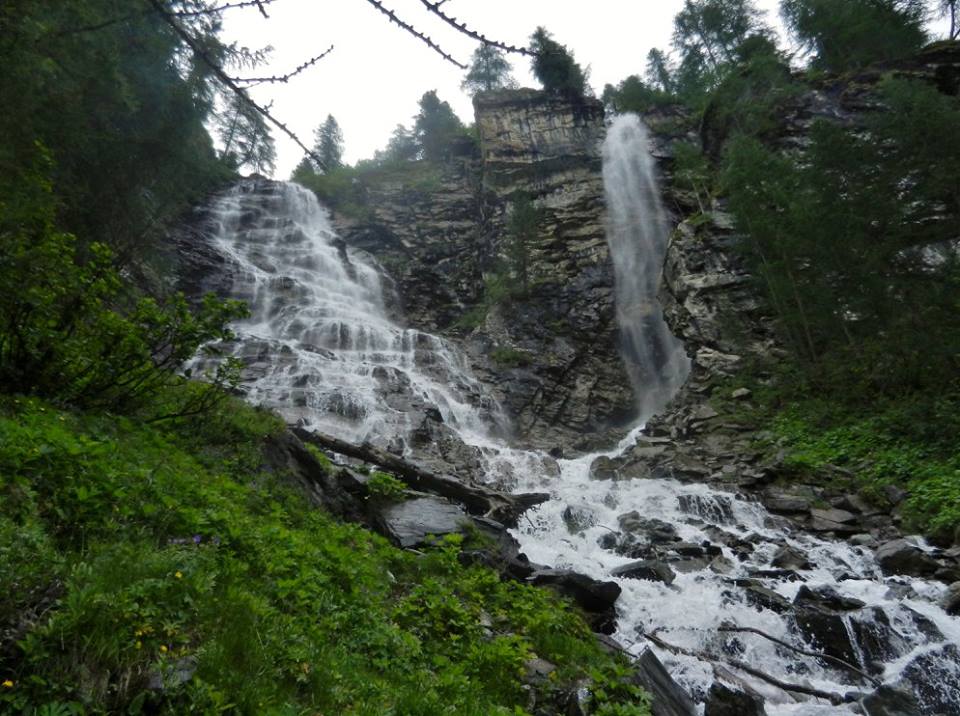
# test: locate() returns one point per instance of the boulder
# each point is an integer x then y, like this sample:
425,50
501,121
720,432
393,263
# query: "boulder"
826,597
834,520
951,600
669,699
892,700
787,557
763,597
648,569
724,701
604,468
593,596
934,677
900,556
413,522
654,530
821,619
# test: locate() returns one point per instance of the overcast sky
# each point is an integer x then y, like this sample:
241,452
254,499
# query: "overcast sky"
377,72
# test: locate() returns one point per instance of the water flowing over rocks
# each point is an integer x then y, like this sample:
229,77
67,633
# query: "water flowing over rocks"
440,242
730,588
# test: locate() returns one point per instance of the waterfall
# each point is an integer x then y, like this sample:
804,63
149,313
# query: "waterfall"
637,232
320,348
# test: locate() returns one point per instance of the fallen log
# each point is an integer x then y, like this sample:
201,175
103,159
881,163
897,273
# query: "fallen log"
819,655
500,506
833,698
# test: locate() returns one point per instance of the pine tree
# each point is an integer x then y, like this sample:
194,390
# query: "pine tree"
555,66
489,70
435,127
854,33
328,144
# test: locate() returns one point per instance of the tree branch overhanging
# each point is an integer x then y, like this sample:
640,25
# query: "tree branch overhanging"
250,81
416,33
227,80
434,7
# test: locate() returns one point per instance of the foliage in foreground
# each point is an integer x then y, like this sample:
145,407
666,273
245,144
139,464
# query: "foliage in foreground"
164,571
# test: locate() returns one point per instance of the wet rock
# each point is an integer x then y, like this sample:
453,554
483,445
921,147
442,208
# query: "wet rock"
892,700
538,670
895,495
654,530
741,394
647,569
763,597
826,597
902,557
604,468
935,679
690,564
951,600
712,508
578,519
879,642
669,698
413,522
787,557
787,504
724,701
821,618
593,596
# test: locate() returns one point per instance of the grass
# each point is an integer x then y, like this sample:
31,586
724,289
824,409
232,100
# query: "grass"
911,441
150,569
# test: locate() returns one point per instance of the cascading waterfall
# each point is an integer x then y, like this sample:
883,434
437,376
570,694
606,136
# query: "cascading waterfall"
320,348
637,235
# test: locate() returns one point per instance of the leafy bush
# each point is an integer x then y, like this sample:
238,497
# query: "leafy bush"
385,487
67,328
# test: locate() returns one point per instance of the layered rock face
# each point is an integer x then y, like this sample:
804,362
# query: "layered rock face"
549,353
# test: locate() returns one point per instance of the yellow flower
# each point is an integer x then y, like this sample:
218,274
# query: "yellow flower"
178,574
7,684
163,649
139,644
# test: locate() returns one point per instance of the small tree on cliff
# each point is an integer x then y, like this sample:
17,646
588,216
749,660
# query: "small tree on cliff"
328,144
522,227
435,127
555,67
489,70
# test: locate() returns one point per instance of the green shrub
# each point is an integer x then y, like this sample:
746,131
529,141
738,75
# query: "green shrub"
385,487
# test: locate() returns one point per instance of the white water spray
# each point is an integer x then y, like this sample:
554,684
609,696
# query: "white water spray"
319,348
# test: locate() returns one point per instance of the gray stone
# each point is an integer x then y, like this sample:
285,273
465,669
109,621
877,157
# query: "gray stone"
892,700
951,600
834,520
741,393
934,677
412,522
902,557
763,597
669,698
724,701
650,570
593,596
787,505
787,557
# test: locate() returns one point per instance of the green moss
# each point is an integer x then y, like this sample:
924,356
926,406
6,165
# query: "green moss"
507,357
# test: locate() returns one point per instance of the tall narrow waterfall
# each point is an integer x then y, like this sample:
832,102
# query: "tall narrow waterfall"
320,348
637,233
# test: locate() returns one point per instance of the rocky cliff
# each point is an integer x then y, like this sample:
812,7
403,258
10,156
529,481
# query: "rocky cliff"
550,353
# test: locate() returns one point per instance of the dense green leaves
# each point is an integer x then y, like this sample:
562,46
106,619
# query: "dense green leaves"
853,33
435,127
489,70
555,66
130,556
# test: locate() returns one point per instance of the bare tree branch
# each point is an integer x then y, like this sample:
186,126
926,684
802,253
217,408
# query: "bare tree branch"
263,10
434,7
226,6
250,81
419,35
819,655
228,81
178,13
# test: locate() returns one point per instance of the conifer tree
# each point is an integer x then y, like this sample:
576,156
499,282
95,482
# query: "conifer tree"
555,67
489,70
328,144
854,33
435,127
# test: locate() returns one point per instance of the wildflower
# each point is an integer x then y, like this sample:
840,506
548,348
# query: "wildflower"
139,644
7,684
178,574
163,649
197,539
